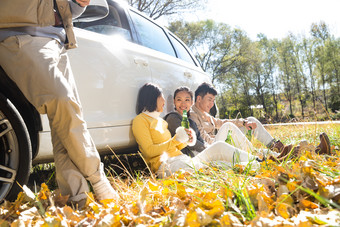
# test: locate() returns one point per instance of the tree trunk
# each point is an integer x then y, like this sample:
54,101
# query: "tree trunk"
324,91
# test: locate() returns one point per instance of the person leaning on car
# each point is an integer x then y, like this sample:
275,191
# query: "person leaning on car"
34,36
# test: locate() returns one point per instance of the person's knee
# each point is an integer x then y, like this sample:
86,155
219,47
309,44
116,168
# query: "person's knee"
228,125
253,119
59,103
221,145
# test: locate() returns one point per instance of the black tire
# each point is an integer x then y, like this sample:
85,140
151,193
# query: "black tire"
15,151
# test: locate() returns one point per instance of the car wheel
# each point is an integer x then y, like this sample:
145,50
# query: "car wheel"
15,151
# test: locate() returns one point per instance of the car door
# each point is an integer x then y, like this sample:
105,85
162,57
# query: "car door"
109,70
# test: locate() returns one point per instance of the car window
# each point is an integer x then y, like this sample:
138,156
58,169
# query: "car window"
110,25
151,35
181,51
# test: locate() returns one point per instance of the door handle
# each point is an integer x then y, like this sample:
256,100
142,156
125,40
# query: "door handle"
141,61
188,74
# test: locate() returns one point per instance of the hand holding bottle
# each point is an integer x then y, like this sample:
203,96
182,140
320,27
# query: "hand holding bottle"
189,132
184,135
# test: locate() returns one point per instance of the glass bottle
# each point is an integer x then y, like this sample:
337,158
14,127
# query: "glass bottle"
185,121
228,139
249,135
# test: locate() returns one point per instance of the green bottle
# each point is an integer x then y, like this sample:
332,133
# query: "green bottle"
228,140
249,133
185,121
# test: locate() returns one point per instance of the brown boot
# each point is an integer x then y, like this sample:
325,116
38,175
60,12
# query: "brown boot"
277,146
287,152
324,147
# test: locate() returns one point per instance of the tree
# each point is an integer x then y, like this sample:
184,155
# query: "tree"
242,69
298,75
321,33
333,70
250,72
158,8
285,66
265,75
212,43
308,48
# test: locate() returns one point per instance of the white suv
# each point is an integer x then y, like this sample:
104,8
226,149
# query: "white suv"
115,57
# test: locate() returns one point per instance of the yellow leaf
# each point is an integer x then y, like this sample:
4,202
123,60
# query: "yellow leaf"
126,220
227,193
303,158
169,182
95,207
192,219
44,192
265,202
210,196
308,204
181,176
285,198
291,186
165,191
305,224
230,220
225,221
44,187
280,169
153,186
106,202
135,208
90,198
282,210
181,191
217,209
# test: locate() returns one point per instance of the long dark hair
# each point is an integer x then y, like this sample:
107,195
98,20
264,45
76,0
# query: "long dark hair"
147,97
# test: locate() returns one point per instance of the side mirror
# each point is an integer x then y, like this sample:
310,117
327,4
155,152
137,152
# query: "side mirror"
96,10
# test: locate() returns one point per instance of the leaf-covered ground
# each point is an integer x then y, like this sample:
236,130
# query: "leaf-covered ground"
303,191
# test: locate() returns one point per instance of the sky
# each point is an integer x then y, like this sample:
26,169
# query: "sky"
274,18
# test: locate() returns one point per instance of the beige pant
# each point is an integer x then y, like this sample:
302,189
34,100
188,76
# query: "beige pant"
239,138
40,68
238,134
219,152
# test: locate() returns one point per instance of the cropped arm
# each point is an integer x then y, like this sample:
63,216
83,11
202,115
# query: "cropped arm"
200,144
142,133
174,121
206,137
218,122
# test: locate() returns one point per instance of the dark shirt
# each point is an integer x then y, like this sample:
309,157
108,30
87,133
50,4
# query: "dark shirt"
174,121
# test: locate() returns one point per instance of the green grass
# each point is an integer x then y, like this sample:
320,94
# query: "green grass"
208,196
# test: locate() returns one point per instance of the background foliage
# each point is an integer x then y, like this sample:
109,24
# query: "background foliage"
297,76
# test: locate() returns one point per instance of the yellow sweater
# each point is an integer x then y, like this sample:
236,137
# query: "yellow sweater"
154,140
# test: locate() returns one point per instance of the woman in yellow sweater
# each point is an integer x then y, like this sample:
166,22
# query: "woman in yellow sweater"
163,152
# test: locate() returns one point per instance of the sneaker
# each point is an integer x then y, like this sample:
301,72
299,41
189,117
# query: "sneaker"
277,146
288,152
103,190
